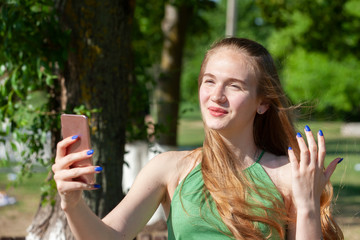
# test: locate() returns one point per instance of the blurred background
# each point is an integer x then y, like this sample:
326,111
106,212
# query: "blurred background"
132,67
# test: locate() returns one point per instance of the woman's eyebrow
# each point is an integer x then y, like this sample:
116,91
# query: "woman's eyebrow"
209,75
228,79
240,81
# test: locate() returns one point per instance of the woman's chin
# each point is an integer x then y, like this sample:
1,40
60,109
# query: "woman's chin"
216,127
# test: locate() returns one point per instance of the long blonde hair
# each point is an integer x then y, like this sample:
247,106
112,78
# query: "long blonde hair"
273,132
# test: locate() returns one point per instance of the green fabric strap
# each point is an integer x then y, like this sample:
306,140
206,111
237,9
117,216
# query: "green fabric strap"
260,156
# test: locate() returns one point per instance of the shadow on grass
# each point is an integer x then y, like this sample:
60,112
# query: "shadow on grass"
343,146
347,199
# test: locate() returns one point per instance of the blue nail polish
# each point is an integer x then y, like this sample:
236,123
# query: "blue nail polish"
321,133
90,152
298,135
340,160
307,128
98,169
97,186
75,137
290,148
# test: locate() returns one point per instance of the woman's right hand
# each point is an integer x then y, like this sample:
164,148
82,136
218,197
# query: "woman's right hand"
70,189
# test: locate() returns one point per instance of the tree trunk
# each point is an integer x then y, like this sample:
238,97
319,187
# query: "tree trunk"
167,91
50,223
97,75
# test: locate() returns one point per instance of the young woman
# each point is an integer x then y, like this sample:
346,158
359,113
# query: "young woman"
254,177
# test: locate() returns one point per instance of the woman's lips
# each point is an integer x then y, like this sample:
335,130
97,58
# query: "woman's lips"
217,112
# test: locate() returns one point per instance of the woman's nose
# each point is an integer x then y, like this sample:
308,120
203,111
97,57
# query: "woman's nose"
218,95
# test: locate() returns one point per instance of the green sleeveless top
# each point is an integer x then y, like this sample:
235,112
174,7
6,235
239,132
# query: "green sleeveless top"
193,218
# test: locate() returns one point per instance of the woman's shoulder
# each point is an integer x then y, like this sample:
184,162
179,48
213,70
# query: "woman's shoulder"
173,158
278,163
174,164
279,170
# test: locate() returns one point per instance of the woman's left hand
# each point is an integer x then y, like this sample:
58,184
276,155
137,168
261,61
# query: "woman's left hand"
308,175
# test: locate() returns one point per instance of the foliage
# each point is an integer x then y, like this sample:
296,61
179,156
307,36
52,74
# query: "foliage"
148,43
193,56
317,43
331,85
31,52
250,24
331,30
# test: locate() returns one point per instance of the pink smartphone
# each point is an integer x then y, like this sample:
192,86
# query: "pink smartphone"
71,125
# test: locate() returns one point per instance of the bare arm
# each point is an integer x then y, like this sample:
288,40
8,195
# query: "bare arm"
308,181
84,224
124,221
147,192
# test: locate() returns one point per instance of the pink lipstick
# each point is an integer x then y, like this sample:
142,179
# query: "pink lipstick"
217,112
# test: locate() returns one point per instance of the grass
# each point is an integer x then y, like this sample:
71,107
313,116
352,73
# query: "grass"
14,219
24,190
345,179
191,134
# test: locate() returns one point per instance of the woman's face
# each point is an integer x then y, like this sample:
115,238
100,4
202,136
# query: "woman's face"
227,94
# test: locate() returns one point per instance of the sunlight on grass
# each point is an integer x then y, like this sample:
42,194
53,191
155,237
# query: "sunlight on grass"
16,218
345,178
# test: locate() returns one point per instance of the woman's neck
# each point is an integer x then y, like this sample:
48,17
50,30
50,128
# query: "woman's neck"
242,146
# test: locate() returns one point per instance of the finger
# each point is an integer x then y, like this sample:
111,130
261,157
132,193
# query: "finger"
331,168
311,146
304,151
293,161
70,174
72,158
321,150
62,145
68,186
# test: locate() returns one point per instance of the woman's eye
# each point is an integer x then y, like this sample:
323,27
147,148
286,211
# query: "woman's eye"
209,81
235,86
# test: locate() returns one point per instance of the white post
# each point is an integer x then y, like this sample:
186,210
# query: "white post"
231,18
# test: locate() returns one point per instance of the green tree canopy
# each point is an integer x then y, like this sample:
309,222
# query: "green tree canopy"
32,50
317,44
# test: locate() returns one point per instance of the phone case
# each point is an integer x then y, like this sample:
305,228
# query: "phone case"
71,125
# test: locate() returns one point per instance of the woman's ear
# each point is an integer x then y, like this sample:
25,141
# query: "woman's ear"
263,107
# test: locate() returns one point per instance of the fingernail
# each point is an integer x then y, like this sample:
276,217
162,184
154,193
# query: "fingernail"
307,128
90,152
298,135
97,186
75,137
321,133
290,148
340,160
98,169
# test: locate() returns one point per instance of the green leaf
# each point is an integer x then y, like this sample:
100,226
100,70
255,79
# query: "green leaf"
14,83
353,7
23,153
3,83
13,146
50,80
39,68
10,107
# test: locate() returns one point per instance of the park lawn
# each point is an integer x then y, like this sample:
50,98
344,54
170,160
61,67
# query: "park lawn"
345,178
16,218
191,134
